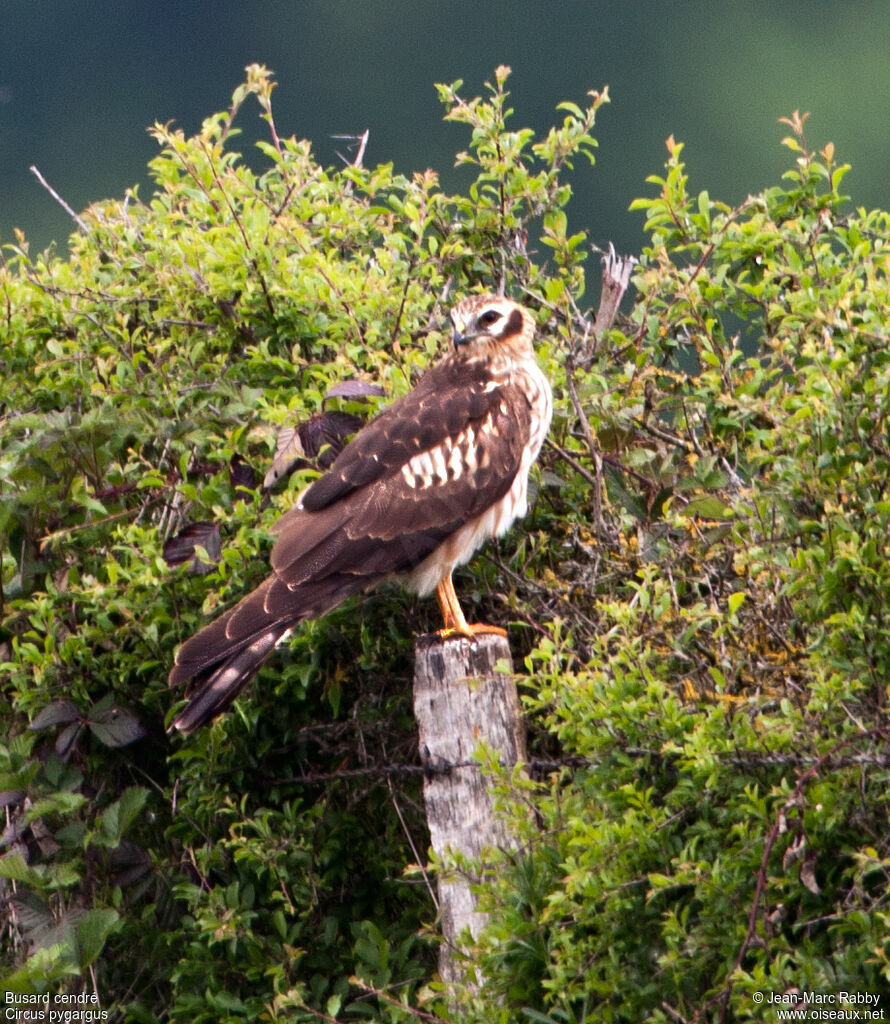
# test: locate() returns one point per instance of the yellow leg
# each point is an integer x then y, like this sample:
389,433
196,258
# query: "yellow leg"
453,616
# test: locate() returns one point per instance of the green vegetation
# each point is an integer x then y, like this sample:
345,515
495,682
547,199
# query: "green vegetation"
699,594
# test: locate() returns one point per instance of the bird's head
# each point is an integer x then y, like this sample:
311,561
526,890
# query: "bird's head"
483,325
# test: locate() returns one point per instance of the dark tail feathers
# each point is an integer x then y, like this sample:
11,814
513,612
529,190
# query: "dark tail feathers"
223,657
214,691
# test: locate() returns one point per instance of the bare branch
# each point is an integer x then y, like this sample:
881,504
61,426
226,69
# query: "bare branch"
79,221
592,448
362,141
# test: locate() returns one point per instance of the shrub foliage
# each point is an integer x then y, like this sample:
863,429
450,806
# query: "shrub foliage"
698,597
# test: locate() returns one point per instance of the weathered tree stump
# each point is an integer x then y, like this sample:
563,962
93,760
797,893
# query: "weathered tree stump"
461,702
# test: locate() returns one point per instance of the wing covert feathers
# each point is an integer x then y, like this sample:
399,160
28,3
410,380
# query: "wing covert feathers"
444,401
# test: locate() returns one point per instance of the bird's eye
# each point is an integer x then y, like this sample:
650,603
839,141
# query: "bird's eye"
489,317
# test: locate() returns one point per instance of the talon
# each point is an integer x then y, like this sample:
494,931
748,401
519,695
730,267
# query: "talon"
455,623
473,629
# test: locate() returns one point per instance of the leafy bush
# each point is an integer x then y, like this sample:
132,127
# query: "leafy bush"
698,594
145,376
719,675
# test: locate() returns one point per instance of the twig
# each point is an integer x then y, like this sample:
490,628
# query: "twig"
417,858
673,1014
380,994
609,460
663,435
318,1014
362,146
64,531
442,766
778,826
79,221
591,445
362,141
238,223
573,462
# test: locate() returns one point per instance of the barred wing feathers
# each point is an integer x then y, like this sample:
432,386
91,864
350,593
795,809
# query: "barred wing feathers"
448,397
419,471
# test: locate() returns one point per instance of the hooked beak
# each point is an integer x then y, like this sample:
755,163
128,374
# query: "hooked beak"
460,335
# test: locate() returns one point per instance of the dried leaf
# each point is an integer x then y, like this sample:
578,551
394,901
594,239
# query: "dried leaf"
807,875
320,438
44,838
129,862
242,477
12,833
794,852
323,435
288,455
66,739
181,547
355,389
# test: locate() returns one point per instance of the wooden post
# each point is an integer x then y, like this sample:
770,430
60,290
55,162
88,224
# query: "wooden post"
460,702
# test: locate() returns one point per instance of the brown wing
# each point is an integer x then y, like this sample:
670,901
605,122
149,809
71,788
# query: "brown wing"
447,398
427,465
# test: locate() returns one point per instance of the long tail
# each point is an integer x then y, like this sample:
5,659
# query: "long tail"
225,655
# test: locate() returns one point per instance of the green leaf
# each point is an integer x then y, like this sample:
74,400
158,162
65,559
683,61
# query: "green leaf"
708,508
538,1018
92,932
659,881
116,819
115,727
14,867
704,208
55,803
59,713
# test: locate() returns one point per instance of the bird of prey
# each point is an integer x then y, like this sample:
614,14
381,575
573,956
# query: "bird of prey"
413,495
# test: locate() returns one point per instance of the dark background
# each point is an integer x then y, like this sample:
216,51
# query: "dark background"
80,80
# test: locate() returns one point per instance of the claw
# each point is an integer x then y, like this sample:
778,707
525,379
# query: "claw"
452,613
470,630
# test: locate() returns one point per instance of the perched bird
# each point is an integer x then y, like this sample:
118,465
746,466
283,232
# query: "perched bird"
414,494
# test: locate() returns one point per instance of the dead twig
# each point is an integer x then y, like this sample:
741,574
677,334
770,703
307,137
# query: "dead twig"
362,141
430,888
591,445
79,221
